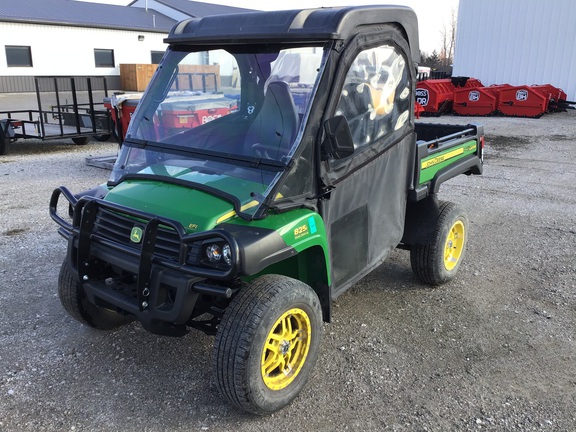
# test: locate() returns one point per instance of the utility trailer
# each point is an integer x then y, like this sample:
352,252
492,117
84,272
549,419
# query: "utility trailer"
68,107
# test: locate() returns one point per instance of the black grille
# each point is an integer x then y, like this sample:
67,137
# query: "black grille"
116,227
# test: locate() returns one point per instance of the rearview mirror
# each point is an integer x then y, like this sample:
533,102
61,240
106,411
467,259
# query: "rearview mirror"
338,142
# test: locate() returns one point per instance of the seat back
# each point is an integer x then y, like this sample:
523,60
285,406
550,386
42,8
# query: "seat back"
276,123
355,104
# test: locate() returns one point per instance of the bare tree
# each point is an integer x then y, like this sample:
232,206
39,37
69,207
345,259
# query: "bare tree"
448,33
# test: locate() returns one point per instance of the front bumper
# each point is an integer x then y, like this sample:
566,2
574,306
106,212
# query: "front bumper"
157,278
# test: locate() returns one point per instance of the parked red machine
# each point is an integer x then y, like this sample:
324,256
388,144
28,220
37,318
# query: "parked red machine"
524,101
478,101
508,100
532,101
436,96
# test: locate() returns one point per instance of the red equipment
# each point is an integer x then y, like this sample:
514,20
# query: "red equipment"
480,101
437,96
524,101
517,101
533,101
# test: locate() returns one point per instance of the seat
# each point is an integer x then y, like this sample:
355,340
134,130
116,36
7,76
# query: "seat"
272,132
354,104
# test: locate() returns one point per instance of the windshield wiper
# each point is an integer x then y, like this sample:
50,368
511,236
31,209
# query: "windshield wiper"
252,162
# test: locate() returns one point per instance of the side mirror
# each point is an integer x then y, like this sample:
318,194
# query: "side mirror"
338,142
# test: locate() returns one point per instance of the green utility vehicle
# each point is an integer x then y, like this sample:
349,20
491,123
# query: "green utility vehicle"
249,224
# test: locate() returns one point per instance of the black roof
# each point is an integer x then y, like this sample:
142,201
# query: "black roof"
307,25
82,14
198,9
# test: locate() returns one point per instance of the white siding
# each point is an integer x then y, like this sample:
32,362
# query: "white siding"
62,50
518,42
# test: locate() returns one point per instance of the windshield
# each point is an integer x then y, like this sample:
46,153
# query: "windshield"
214,116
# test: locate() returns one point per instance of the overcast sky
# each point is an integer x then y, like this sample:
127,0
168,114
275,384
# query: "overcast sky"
432,14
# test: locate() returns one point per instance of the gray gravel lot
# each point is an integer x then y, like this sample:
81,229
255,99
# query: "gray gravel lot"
493,350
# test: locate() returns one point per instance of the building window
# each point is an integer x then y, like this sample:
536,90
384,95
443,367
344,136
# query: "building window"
104,57
156,56
18,56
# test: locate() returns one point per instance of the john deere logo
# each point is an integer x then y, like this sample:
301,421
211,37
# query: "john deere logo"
136,234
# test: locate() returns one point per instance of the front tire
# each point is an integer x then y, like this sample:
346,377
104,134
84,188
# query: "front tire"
438,262
267,344
74,301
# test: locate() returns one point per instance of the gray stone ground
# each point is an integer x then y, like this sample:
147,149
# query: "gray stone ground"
493,350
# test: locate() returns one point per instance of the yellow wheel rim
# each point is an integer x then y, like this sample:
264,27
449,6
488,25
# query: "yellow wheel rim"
286,349
454,245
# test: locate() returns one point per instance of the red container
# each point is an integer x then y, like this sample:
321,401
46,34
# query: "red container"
437,96
187,112
523,101
122,106
190,114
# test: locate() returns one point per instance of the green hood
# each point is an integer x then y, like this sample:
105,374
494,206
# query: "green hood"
196,210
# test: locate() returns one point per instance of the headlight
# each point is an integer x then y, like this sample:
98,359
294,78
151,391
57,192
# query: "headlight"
218,254
227,254
214,252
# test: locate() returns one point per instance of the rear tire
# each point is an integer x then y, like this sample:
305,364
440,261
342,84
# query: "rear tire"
267,344
438,262
74,301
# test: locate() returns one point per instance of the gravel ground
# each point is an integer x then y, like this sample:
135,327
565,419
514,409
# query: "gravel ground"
492,350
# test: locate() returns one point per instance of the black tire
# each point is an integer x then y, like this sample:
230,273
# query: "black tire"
438,262
74,301
81,140
102,138
4,144
103,124
241,352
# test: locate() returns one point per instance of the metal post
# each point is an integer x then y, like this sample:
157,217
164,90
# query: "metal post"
91,104
75,105
39,107
58,105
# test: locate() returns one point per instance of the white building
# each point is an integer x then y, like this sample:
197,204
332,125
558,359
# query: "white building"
71,38
518,42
